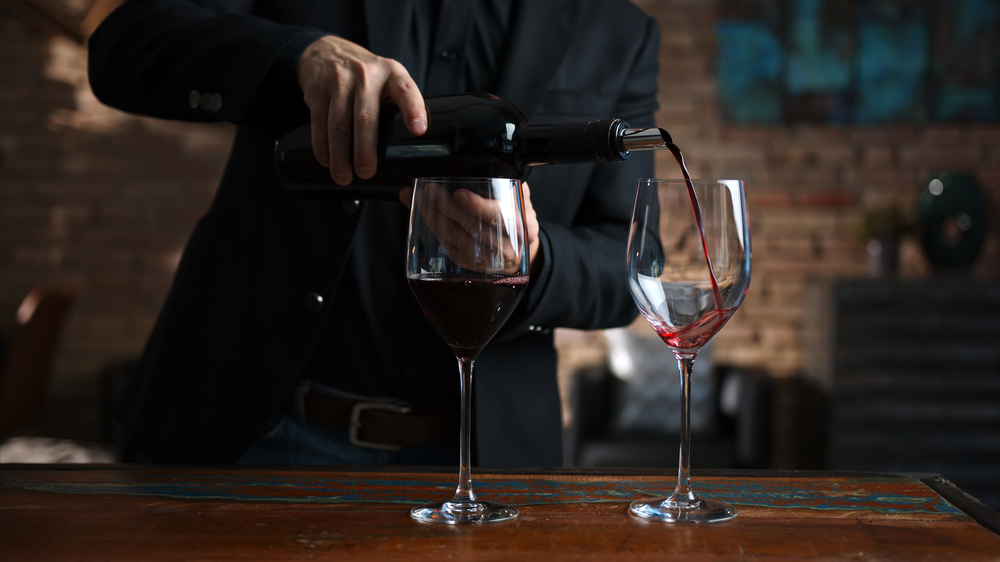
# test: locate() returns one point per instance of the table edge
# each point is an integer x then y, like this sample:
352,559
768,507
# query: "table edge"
966,503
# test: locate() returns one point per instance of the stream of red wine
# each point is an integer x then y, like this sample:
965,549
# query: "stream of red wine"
716,294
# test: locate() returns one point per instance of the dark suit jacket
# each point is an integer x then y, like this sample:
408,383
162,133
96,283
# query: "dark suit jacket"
236,330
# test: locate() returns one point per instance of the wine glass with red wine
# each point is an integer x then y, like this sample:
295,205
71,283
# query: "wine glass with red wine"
467,265
688,271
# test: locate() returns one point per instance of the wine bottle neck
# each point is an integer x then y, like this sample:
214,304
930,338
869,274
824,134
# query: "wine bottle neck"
605,141
568,143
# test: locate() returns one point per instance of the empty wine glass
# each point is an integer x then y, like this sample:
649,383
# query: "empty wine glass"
688,271
467,266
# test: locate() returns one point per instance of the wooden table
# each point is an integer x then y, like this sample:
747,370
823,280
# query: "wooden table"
174,514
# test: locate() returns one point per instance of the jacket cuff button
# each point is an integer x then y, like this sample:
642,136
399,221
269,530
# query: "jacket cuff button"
194,99
215,103
350,207
314,302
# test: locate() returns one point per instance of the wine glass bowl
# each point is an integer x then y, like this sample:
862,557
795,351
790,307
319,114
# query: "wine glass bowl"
688,271
467,266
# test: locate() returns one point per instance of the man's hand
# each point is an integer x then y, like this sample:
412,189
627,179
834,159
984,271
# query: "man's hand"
343,84
452,217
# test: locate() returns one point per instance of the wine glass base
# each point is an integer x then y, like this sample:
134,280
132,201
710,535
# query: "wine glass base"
462,513
673,511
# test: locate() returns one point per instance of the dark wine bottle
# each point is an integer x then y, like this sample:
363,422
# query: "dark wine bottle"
475,135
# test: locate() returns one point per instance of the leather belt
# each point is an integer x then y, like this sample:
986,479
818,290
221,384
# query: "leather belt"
380,425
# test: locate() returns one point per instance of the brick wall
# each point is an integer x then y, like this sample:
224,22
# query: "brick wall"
106,201
91,196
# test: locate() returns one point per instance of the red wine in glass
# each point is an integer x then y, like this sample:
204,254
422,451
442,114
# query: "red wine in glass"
467,312
696,334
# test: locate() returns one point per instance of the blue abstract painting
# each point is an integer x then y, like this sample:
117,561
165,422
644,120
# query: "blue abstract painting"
891,63
752,60
858,61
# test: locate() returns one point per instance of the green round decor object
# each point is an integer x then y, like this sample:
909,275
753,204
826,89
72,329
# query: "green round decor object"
951,213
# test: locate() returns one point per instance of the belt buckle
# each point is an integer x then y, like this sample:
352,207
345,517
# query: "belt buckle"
352,428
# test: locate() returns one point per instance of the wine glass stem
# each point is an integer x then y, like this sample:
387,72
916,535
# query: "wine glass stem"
464,493
685,364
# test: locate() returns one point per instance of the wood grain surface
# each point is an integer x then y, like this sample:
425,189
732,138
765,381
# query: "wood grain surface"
129,513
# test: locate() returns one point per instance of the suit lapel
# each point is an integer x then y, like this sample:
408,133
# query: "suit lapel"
386,22
531,61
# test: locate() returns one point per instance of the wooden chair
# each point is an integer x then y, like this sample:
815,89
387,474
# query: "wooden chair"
27,362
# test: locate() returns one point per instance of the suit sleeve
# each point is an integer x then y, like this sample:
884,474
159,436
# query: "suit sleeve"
197,61
583,283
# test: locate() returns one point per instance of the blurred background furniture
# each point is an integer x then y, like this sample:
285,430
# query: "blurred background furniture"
27,359
627,414
911,369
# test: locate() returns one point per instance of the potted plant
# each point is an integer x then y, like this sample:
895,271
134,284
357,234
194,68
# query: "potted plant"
881,227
